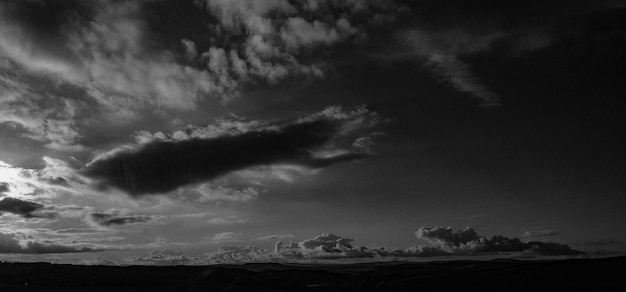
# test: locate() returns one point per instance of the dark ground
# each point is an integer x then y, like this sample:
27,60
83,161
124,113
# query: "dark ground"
496,275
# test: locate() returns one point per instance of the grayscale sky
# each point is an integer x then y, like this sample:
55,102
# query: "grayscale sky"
208,130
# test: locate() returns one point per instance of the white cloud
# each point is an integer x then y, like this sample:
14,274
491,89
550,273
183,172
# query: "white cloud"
161,257
276,237
191,51
209,192
235,254
225,237
98,261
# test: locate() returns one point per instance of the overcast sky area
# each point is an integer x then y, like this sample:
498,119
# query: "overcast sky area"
212,131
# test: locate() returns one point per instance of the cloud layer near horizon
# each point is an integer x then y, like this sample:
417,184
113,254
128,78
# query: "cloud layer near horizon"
328,247
10,245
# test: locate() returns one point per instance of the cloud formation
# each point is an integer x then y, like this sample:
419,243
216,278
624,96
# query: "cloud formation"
274,34
324,246
467,241
163,165
540,233
225,237
4,187
19,207
161,257
106,219
441,50
111,52
443,242
235,254
329,247
9,244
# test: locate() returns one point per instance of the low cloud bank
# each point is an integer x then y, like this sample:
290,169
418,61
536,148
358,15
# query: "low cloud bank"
446,241
443,241
10,244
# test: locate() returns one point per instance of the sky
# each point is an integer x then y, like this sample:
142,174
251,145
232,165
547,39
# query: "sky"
214,131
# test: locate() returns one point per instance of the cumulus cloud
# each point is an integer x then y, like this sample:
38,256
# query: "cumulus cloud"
107,49
161,166
468,241
98,261
9,244
324,246
330,247
161,257
235,254
443,242
191,51
274,34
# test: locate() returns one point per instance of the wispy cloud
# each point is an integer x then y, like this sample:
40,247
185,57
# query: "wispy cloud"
442,51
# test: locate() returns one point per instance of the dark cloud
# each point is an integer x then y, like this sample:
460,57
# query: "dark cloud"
444,242
9,244
602,242
113,219
19,207
4,187
468,241
540,233
324,246
163,166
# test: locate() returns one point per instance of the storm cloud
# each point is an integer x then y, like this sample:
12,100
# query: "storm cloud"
162,166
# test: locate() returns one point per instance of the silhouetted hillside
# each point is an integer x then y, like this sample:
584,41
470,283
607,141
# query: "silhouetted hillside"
496,275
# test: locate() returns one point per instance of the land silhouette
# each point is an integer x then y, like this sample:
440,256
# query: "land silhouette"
602,274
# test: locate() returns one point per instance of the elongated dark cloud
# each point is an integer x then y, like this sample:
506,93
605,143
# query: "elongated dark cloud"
602,242
105,219
9,244
163,166
540,233
19,207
